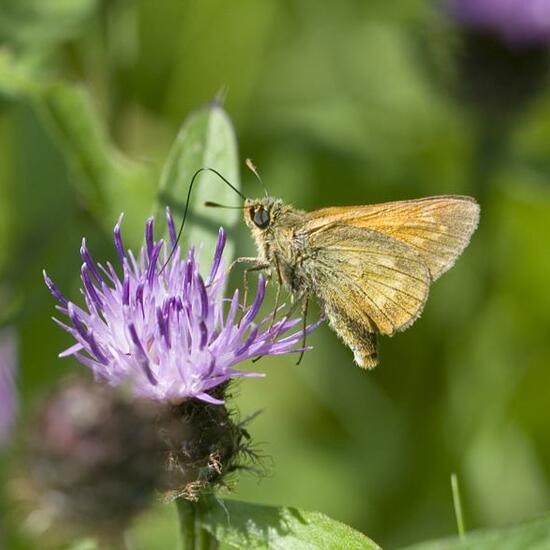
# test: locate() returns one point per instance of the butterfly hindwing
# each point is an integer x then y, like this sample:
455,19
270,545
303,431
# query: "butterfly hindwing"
368,282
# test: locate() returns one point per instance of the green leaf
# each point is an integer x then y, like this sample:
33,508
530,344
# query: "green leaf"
39,24
108,181
17,75
534,535
69,114
245,525
206,139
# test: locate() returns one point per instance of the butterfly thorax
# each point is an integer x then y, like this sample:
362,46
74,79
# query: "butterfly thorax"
275,227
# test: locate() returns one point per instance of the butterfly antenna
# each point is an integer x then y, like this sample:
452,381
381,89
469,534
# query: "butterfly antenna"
252,167
193,179
218,205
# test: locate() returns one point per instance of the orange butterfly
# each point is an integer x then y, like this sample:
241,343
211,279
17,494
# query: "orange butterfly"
370,266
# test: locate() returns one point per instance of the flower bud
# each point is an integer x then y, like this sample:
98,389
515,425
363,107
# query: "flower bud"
503,59
498,80
95,458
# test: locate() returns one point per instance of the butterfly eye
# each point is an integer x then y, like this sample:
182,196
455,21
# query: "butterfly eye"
261,218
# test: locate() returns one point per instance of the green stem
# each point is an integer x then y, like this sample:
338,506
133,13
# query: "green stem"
457,506
186,516
193,536
490,149
206,541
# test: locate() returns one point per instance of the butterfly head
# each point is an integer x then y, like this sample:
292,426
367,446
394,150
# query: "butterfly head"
259,214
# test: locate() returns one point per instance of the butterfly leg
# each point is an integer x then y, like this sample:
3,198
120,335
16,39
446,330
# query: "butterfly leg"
258,266
303,300
289,314
278,291
305,305
245,260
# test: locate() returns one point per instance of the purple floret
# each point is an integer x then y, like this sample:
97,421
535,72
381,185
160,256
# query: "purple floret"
162,328
519,22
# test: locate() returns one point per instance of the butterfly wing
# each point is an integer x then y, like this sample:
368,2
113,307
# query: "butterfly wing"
437,228
372,265
368,282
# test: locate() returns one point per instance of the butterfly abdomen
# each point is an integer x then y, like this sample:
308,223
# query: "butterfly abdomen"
362,342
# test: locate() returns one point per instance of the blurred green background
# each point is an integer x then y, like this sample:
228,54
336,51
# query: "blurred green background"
338,103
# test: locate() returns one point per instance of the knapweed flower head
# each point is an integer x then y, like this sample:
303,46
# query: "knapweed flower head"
8,389
518,22
94,460
163,329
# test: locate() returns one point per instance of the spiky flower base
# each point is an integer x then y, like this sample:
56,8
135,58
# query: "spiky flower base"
204,445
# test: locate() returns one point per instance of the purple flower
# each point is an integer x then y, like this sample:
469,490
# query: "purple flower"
163,330
8,390
518,22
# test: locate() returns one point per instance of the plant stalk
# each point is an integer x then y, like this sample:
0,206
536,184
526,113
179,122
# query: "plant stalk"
192,535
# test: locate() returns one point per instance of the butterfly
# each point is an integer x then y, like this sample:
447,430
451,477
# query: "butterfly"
370,267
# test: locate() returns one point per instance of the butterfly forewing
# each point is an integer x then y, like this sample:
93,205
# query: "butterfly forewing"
438,228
